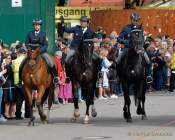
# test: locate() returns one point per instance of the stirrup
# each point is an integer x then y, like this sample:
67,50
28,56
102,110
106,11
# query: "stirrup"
56,81
149,79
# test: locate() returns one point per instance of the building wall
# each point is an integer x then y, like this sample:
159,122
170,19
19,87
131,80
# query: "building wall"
17,21
152,19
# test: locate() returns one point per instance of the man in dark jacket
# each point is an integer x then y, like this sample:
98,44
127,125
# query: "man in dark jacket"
81,32
37,37
124,37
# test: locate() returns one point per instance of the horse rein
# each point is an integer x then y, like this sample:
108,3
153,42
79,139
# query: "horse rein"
137,42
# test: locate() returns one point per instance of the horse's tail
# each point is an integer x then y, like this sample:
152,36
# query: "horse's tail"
139,91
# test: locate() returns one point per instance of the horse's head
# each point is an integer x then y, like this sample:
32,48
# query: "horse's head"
86,50
137,39
33,53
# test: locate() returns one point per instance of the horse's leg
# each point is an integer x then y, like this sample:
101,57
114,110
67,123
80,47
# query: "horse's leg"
41,91
93,111
140,95
126,109
138,91
142,2
139,108
144,116
28,94
129,119
50,101
76,113
87,93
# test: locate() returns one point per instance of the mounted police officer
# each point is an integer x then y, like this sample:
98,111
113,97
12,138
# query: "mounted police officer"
123,38
37,37
81,32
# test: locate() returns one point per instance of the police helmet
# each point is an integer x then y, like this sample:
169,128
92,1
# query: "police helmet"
37,21
135,16
84,19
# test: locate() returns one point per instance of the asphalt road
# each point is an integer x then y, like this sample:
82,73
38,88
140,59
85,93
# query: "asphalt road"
108,125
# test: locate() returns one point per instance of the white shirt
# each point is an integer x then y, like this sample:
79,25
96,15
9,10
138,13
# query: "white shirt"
84,30
36,33
105,64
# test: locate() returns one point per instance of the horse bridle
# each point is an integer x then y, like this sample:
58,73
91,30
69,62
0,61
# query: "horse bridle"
136,43
84,57
35,66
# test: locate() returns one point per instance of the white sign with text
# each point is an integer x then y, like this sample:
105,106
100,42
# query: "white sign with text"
16,3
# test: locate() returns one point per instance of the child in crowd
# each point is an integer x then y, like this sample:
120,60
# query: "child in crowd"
103,82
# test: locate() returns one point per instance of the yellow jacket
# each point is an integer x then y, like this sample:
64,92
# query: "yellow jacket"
172,63
15,67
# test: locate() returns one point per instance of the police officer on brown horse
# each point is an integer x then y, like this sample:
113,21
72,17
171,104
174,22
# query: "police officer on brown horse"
37,37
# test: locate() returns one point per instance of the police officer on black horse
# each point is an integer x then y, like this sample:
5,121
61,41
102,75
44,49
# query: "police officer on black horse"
38,38
124,39
81,66
81,32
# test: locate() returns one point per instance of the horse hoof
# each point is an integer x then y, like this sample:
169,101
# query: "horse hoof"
129,120
76,114
86,119
43,118
73,119
139,111
31,124
94,114
125,115
44,121
144,117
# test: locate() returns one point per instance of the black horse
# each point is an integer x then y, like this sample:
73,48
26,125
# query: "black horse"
83,73
131,72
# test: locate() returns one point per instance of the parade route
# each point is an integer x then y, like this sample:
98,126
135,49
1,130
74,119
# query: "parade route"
109,124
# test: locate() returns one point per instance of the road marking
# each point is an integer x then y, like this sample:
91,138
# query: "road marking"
92,138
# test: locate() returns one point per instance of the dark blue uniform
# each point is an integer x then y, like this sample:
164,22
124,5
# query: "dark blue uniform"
78,35
123,37
38,38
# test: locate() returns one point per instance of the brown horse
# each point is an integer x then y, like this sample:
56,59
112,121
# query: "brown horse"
36,76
